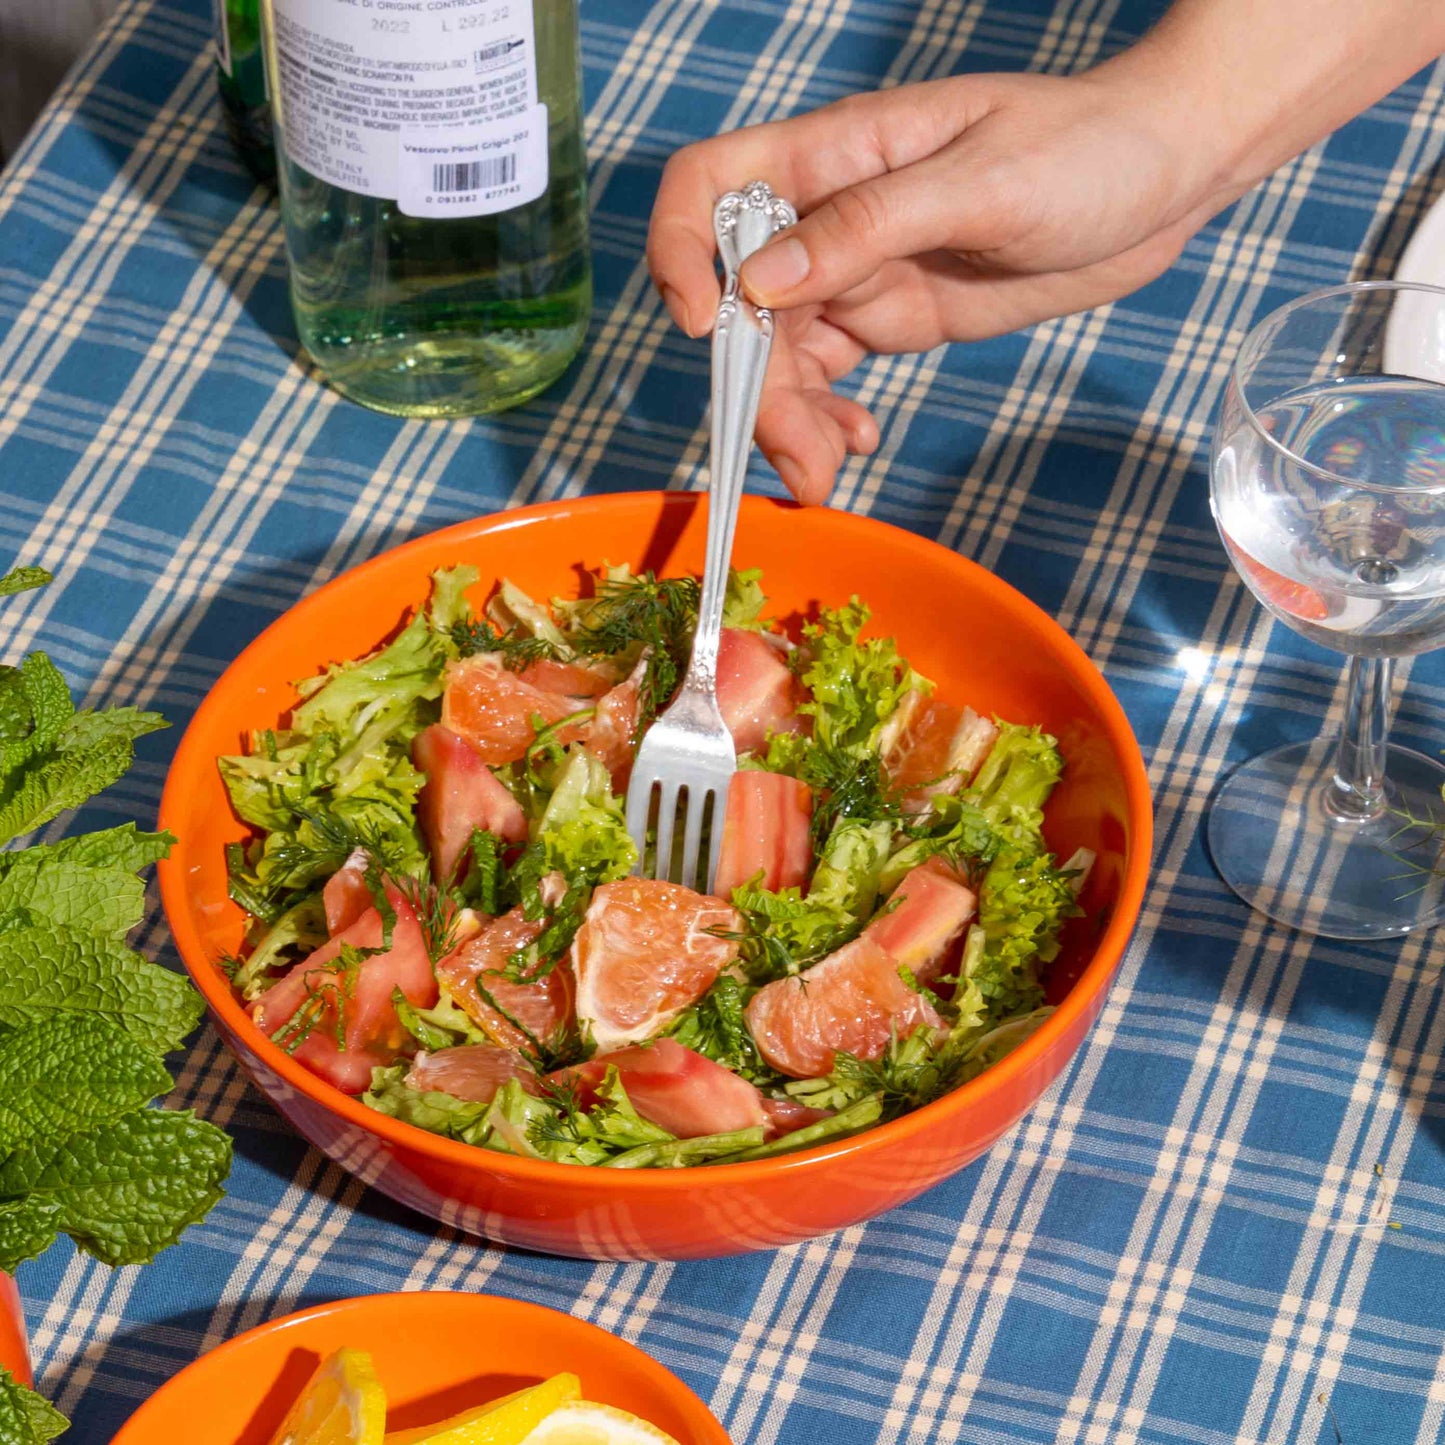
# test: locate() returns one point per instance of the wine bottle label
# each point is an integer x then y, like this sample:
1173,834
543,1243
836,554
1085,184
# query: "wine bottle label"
490,168
430,103
223,35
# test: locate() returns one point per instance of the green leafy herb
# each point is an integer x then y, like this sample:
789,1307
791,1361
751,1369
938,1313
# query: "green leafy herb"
485,879
929,1063
71,1073
84,1022
627,616
22,579
331,989
783,932
855,686
570,1134
953,829
851,1118
122,1191
716,1027
49,972
25,1417
435,1112
296,933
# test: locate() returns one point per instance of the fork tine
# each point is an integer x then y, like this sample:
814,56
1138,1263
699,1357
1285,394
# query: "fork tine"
714,843
666,814
639,807
692,865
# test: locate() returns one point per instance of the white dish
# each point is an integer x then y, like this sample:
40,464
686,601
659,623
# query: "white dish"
1415,334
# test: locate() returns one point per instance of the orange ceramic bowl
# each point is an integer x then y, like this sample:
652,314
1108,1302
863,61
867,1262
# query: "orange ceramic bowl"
979,639
435,1354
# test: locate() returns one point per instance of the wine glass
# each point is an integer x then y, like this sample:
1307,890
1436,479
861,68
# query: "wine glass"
1328,488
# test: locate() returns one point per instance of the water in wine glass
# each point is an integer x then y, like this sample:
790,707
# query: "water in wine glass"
1357,569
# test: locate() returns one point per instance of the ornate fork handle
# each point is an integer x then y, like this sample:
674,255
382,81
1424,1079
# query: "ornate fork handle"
743,221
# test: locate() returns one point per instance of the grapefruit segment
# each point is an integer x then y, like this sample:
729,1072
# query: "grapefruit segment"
493,708
575,680
854,1001
542,1007
929,911
932,747
612,733
346,896
461,793
756,691
679,1090
766,831
644,953
352,1027
787,1116
471,1071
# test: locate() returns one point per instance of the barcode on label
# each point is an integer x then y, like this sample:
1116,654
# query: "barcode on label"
491,52
473,175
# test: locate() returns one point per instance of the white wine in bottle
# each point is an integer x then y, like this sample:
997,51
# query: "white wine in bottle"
434,192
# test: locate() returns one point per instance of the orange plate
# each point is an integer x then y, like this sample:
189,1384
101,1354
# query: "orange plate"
14,1350
435,1353
979,639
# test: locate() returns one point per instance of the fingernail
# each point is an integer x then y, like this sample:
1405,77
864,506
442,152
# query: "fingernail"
777,268
678,310
792,475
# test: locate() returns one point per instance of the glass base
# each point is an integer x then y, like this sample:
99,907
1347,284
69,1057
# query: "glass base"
1281,839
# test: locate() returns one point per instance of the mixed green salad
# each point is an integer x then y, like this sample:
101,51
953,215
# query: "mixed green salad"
444,918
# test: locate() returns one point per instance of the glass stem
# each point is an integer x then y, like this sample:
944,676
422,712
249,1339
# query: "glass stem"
1358,791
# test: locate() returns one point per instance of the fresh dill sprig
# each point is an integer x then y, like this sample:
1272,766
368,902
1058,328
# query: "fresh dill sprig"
642,612
436,910
519,648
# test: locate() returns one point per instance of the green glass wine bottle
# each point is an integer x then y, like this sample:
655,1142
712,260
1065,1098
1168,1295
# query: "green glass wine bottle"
241,79
434,191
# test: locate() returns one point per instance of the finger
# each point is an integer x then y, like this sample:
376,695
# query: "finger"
805,159
860,431
803,442
847,239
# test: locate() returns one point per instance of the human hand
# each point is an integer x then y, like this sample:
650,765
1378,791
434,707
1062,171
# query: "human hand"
949,211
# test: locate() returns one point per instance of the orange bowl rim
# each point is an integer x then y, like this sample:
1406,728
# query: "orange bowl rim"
190,761
688,1401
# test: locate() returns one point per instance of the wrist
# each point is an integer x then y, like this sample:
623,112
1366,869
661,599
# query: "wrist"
1212,142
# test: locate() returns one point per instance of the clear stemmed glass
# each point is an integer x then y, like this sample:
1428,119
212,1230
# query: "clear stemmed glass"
1328,488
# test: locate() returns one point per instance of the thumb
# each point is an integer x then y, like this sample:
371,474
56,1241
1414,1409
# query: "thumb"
852,234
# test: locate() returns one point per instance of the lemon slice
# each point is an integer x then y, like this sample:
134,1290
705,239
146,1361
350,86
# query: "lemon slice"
507,1421
342,1404
583,1423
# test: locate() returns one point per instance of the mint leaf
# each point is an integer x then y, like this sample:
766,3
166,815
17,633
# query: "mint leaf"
64,780
122,847
37,706
125,1191
22,579
68,757
15,716
50,971
27,1228
25,1418
93,729
71,1073
108,902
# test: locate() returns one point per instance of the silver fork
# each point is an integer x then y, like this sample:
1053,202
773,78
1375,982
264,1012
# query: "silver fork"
687,759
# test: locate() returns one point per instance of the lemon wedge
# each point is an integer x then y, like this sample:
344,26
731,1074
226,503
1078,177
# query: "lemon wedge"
583,1423
342,1404
507,1421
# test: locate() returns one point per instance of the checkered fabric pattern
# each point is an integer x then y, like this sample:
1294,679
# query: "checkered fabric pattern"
1188,1239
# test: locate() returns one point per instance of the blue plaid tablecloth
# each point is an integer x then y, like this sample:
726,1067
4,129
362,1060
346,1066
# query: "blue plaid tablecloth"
1190,1237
